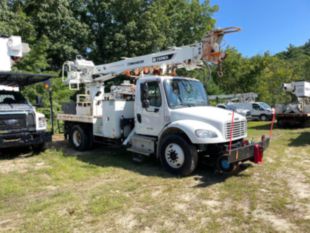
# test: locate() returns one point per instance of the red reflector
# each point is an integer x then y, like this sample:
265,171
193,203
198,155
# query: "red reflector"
258,154
245,142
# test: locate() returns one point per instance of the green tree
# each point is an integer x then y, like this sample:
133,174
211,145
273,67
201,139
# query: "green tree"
55,20
135,27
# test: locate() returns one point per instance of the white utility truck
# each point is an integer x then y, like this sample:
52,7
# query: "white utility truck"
297,112
20,124
161,115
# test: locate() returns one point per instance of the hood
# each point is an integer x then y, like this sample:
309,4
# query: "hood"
212,115
243,112
15,107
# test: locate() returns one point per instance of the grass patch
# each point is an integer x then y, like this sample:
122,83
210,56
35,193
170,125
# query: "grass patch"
51,222
102,190
105,203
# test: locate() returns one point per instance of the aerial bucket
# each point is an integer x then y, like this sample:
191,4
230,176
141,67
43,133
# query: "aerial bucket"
211,45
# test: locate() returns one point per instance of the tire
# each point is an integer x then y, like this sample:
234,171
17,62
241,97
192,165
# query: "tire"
224,166
178,156
79,138
263,117
37,149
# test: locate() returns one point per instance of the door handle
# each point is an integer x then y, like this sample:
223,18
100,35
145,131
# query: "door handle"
139,117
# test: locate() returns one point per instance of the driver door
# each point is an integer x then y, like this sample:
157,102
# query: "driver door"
150,121
255,110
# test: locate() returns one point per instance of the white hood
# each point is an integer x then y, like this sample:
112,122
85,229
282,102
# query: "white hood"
212,115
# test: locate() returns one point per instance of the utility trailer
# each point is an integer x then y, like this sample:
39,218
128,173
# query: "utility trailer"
20,124
296,113
163,115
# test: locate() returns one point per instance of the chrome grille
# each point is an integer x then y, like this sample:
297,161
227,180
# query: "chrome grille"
13,121
239,130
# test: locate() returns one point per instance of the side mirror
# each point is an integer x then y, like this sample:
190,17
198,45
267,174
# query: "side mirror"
145,95
39,102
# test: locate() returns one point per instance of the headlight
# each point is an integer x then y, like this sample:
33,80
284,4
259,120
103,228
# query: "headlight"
203,133
42,122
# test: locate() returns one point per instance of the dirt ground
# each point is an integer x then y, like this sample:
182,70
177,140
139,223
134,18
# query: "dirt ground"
102,190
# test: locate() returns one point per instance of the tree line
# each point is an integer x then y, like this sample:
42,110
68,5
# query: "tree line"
106,30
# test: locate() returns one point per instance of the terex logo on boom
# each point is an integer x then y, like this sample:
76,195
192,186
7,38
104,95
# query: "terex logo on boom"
162,58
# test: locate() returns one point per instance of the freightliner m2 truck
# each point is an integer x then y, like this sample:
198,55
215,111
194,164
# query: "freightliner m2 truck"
157,113
20,124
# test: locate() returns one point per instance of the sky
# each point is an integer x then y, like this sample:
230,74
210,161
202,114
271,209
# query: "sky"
265,25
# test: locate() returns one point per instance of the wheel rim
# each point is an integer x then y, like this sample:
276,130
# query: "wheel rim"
263,118
225,165
174,155
77,139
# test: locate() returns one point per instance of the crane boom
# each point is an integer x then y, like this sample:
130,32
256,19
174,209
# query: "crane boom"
190,56
178,55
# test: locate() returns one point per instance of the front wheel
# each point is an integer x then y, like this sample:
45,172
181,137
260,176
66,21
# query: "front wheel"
37,149
178,156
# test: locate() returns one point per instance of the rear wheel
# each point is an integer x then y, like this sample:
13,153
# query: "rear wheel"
178,156
263,117
79,138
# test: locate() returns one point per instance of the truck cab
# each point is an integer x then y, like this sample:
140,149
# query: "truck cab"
181,103
173,114
20,124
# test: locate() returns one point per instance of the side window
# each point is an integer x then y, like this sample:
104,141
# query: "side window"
154,94
256,106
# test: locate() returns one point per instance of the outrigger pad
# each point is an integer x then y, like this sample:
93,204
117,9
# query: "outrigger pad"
22,79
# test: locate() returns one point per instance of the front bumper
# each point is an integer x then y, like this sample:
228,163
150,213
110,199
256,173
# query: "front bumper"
252,151
24,139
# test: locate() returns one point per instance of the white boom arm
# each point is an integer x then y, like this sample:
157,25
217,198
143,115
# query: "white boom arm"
190,56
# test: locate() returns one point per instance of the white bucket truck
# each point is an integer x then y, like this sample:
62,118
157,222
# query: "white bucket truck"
298,111
20,124
158,115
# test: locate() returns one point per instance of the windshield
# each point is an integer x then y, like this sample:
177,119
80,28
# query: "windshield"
231,107
264,105
185,93
11,97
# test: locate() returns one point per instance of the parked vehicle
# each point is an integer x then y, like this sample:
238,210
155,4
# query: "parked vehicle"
297,112
20,123
243,112
158,115
259,110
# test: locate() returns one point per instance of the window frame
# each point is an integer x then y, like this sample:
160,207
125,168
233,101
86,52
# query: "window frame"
160,95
